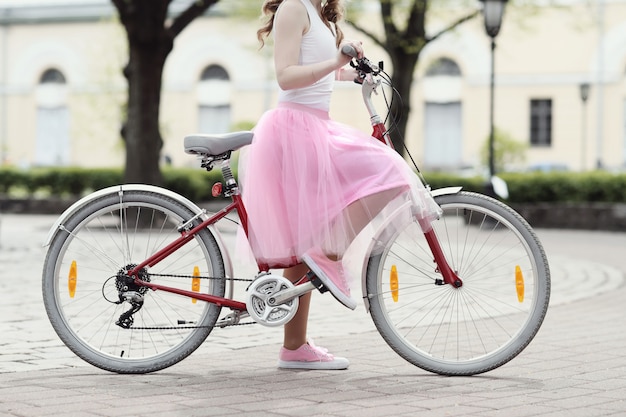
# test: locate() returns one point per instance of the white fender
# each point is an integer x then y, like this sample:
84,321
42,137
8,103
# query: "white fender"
120,189
435,193
445,190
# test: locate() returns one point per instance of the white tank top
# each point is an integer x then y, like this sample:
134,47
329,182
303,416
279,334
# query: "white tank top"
318,44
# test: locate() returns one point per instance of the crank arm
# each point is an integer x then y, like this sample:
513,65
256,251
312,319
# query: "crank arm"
285,296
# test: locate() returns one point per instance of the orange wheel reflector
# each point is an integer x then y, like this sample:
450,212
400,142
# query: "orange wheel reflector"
71,279
195,282
519,283
393,283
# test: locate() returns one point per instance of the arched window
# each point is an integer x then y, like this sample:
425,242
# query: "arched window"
214,94
52,75
53,126
214,72
443,123
443,66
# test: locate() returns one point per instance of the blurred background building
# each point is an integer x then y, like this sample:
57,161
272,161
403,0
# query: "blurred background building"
560,85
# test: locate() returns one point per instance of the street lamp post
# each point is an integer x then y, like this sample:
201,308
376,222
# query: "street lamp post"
493,10
584,95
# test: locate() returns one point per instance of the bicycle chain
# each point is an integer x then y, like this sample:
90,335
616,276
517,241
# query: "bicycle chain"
200,277
190,327
194,327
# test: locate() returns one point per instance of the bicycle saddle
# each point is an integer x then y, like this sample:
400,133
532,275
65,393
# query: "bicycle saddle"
217,144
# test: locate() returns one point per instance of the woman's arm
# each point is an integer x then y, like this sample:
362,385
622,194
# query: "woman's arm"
290,24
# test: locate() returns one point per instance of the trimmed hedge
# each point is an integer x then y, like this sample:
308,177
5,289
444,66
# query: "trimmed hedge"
570,187
195,184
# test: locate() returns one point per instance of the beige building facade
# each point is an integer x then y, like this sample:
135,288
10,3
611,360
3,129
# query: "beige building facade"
62,94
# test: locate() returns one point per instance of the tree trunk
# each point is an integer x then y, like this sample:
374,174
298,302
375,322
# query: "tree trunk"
149,44
141,129
403,82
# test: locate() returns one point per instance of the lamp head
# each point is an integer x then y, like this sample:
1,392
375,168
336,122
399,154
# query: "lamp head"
584,91
493,10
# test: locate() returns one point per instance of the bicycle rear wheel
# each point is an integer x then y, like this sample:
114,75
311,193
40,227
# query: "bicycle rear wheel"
479,326
81,291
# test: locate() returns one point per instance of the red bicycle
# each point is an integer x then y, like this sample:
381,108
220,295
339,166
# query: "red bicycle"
136,277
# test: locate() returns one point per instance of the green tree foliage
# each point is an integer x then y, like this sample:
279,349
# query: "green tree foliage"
507,151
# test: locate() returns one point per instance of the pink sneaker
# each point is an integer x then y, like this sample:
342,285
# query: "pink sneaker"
309,356
331,274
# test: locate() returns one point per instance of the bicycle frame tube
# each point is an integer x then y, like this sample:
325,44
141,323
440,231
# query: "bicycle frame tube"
380,133
186,236
220,301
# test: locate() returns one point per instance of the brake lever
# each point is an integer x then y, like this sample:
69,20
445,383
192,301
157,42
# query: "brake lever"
365,65
359,78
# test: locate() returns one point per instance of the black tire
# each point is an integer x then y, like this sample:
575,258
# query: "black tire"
479,326
102,238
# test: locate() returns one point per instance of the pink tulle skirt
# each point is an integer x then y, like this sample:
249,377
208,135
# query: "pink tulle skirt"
309,181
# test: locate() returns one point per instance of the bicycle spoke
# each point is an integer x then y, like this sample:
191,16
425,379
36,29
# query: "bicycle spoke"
475,327
103,240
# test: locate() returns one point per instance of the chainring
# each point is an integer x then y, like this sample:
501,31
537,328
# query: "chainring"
260,291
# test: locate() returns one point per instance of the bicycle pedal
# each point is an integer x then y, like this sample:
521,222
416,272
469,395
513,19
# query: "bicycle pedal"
313,279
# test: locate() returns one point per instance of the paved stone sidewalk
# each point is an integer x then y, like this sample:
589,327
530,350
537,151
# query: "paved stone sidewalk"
576,366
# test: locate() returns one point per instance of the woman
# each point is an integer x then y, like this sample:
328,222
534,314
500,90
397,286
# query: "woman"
311,184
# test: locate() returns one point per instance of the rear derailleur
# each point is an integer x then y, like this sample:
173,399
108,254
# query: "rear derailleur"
129,291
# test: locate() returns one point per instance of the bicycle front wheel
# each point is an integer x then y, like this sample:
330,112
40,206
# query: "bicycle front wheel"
81,285
483,324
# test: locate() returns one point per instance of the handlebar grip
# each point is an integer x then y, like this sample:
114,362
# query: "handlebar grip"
348,50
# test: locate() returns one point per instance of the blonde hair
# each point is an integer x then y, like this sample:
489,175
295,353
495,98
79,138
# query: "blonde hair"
332,12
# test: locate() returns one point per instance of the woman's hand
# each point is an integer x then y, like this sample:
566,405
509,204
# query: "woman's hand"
345,59
348,73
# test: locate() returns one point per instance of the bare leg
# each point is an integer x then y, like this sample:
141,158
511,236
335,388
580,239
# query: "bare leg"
361,212
295,330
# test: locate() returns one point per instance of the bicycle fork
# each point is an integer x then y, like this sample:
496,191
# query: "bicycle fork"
448,274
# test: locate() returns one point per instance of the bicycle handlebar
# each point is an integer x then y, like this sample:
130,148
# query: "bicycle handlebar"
348,50
363,65
367,77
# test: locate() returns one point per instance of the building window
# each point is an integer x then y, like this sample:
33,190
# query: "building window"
214,94
541,122
442,90
443,66
53,146
214,72
53,76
